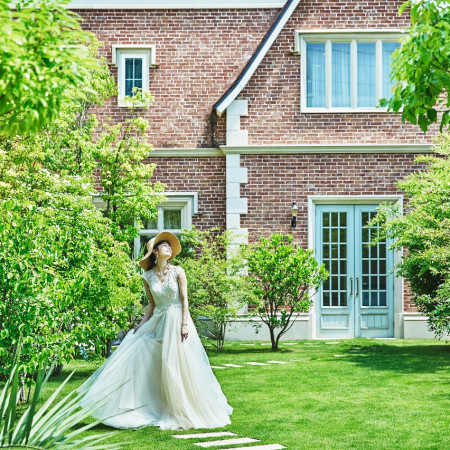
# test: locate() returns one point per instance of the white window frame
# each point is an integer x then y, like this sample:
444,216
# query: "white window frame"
187,202
120,53
328,37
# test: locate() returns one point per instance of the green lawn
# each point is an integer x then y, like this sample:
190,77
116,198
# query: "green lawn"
359,393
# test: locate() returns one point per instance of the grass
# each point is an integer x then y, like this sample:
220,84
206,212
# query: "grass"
360,393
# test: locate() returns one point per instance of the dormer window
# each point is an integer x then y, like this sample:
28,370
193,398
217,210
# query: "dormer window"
345,72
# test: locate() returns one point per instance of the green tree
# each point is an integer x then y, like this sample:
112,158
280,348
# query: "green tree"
42,59
424,231
64,280
70,138
64,277
420,66
283,277
216,290
129,196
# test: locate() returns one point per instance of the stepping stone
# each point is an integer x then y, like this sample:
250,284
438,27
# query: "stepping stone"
217,367
289,343
266,343
232,365
256,364
248,344
226,442
331,343
259,447
277,362
339,356
204,435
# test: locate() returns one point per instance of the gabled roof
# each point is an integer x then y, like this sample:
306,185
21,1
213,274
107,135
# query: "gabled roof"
253,63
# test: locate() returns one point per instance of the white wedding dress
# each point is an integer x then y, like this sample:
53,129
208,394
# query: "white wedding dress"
153,378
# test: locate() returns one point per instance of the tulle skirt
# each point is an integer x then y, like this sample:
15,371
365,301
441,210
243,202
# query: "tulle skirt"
153,378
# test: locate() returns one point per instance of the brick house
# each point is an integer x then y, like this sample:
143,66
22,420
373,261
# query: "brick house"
262,104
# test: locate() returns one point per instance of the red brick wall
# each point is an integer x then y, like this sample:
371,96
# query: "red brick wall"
273,92
408,305
275,181
203,175
201,52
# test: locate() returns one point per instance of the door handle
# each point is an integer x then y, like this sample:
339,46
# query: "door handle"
357,286
351,286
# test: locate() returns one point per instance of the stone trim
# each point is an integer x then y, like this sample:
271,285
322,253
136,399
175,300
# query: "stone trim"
375,33
319,148
151,49
287,150
236,136
177,4
185,153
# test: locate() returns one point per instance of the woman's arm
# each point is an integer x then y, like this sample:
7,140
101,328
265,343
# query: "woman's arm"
150,307
182,284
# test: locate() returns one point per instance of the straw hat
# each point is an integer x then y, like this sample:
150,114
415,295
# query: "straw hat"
164,236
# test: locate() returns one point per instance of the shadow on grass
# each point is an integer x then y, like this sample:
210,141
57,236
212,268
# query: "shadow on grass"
405,359
248,350
98,427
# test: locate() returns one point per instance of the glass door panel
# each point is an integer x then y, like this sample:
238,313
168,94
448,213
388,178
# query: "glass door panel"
374,289
334,228
334,256
357,298
374,307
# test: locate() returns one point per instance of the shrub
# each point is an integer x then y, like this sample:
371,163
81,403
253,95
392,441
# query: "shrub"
283,278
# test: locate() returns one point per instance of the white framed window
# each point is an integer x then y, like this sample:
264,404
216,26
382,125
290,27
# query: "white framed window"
133,65
174,215
345,71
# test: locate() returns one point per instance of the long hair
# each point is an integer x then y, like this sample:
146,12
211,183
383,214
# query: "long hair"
152,258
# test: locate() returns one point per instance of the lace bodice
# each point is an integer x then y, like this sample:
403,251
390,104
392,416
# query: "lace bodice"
165,294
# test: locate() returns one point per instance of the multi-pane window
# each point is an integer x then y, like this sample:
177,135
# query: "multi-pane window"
334,257
174,215
133,75
374,271
169,219
133,70
345,73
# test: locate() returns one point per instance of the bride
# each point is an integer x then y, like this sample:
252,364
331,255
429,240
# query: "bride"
160,374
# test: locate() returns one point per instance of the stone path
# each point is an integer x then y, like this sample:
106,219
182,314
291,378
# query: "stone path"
204,435
230,441
226,442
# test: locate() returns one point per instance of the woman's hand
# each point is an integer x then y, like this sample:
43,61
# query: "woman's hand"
184,332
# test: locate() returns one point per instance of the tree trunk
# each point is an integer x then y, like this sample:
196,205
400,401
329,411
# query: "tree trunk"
57,370
221,336
107,349
272,339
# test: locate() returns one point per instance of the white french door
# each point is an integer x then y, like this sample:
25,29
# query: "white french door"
357,300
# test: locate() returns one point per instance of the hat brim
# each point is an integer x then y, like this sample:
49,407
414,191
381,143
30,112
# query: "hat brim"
163,236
